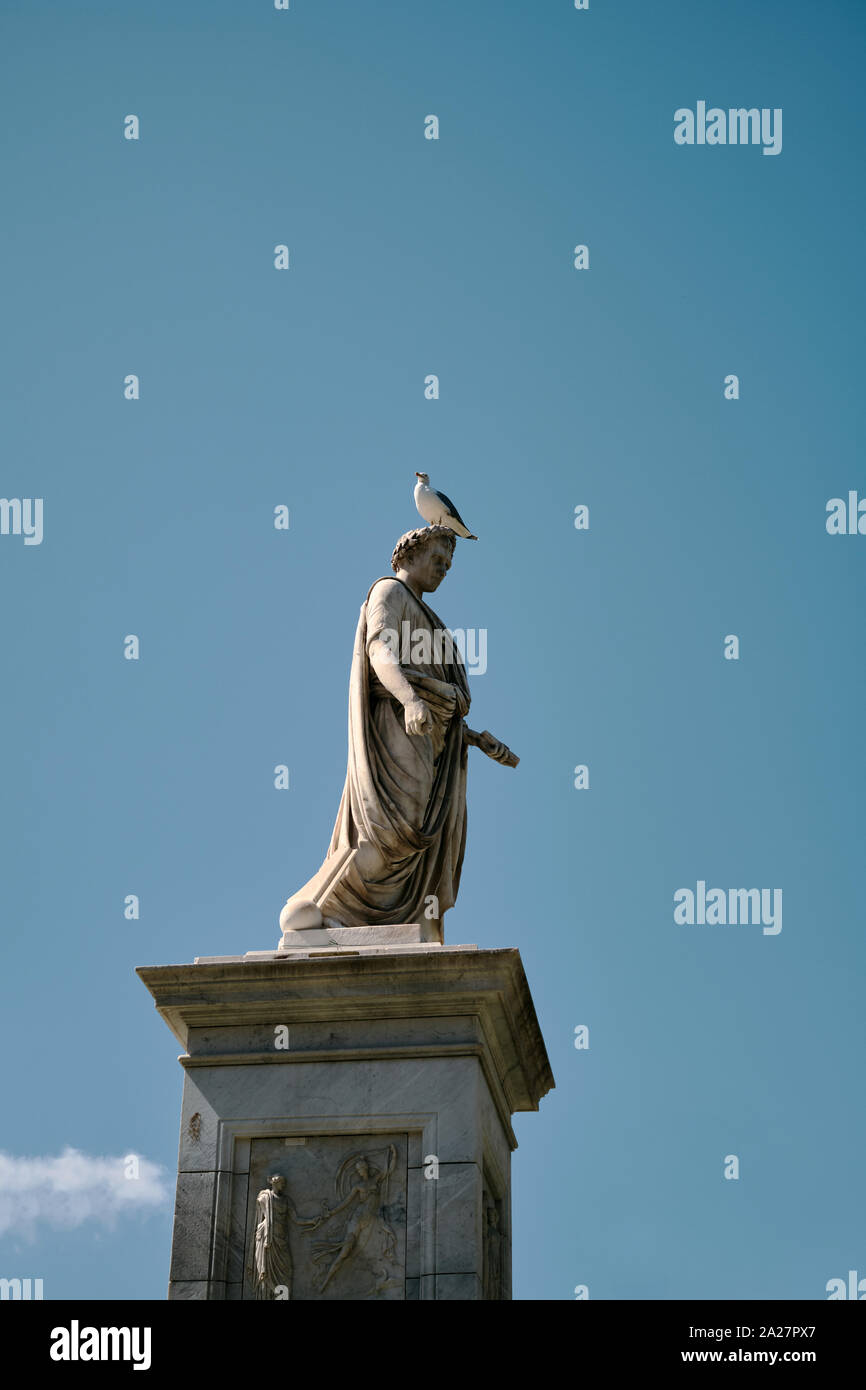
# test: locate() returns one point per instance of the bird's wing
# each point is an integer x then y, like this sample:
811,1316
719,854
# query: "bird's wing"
452,510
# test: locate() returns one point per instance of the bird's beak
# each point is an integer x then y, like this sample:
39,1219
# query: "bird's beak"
417,475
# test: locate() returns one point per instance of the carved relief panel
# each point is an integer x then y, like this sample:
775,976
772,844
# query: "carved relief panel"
326,1218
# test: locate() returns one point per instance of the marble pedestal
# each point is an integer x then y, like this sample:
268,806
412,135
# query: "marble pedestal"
379,1085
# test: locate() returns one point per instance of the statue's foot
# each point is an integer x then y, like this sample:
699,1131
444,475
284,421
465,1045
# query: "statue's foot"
300,914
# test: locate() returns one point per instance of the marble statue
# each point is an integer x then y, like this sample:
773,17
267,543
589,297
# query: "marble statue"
272,1259
397,849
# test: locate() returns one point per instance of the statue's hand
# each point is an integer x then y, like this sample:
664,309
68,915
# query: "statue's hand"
417,718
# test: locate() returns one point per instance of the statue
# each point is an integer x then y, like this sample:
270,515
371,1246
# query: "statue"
397,849
272,1257
492,1254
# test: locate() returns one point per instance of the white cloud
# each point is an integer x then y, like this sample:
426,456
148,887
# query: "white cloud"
75,1188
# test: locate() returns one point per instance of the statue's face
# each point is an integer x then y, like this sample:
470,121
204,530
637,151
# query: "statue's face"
428,567
362,1170
278,1183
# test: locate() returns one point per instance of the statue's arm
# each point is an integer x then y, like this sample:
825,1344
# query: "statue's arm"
301,1220
416,716
334,1211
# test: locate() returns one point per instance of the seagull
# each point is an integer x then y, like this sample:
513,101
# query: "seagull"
439,510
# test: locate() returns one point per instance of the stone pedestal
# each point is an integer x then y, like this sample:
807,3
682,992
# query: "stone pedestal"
378,1084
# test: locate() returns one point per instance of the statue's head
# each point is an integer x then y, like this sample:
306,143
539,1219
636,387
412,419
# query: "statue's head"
362,1168
277,1183
424,556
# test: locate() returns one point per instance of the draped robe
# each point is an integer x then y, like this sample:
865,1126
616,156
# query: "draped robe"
273,1262
404,793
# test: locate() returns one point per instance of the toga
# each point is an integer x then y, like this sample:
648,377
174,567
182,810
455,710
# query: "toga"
273,1262
404,793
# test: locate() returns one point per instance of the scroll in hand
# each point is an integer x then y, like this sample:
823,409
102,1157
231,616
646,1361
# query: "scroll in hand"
499,752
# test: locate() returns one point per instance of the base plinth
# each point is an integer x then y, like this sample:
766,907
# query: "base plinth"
346,1121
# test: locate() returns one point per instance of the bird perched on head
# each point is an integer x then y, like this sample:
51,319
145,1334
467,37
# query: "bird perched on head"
439,510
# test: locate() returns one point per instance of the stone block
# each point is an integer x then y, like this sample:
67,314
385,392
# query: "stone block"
346,1122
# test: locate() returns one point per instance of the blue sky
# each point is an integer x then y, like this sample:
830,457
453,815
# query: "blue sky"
605,647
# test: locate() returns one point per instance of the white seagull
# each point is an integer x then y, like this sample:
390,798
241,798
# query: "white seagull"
439,510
